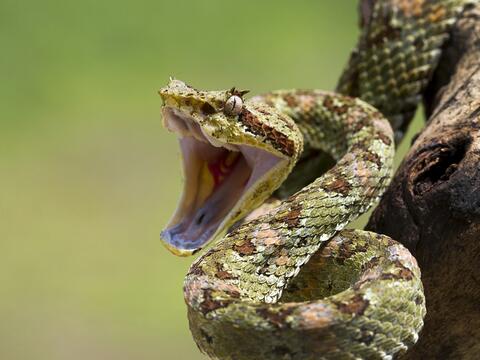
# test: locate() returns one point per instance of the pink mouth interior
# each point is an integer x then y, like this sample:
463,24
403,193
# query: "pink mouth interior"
233,170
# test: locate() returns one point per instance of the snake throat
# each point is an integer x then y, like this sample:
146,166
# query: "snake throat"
217,175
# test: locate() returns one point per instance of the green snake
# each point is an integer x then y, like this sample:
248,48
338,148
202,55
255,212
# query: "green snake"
287,281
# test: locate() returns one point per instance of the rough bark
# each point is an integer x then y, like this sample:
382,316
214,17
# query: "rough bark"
433,204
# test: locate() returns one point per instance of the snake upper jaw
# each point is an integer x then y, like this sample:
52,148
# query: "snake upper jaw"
221,182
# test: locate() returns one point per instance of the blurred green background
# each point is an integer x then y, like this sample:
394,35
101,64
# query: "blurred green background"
87,175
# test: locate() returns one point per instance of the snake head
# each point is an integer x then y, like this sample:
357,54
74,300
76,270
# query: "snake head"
235,154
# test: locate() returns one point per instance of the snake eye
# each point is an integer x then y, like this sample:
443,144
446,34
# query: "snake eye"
233,106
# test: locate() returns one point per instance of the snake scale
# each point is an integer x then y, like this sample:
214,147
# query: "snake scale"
288,282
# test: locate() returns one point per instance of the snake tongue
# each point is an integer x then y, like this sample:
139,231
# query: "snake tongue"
216,179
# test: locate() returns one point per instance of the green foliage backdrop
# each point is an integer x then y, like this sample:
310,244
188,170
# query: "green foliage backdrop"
87,175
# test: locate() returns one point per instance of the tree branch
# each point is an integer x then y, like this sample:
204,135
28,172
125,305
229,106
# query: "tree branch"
433,203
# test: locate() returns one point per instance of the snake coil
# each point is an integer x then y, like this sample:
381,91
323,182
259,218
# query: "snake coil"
289,282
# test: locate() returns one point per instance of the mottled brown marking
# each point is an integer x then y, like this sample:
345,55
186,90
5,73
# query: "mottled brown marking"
377,115
276,318
392,276
356,305
280,141
223,274
195,269
384,138
411,8
285,145
419,300
340,110
356,125
404,273
265,112
291,100
437,13
360,147
246,248
339,185
292,218
370,271
387,32
372,157
210,304
346,250
329,103
370,264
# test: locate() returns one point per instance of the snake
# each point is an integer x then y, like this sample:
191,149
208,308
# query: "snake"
283,278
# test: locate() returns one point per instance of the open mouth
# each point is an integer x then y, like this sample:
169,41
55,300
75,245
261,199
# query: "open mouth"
218,177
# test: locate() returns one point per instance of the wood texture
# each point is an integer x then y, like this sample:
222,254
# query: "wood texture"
433,203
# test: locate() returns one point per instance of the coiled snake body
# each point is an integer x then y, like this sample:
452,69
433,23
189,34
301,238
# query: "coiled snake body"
289,283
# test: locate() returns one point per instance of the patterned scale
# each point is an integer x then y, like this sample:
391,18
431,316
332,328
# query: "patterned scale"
291,283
